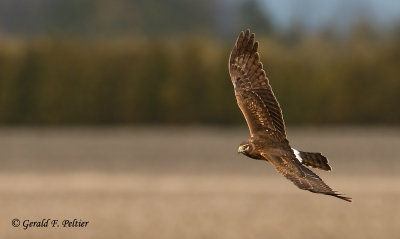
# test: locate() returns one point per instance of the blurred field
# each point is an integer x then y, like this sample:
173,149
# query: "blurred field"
191,183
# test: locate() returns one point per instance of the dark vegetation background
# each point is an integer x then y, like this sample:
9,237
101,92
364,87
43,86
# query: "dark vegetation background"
127,62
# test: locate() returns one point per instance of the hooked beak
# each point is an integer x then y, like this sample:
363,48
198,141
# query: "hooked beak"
241,149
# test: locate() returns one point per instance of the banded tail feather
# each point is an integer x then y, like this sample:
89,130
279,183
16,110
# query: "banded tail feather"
314,160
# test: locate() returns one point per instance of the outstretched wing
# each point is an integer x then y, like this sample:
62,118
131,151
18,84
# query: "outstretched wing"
252,90
286,164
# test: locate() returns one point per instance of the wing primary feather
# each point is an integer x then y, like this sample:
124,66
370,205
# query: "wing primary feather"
247,74
255,46
244,43
249,52
286,164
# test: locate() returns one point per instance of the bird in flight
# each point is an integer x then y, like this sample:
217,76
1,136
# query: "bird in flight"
263,115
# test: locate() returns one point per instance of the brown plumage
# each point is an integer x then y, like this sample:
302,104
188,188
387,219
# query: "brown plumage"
264,118
315,160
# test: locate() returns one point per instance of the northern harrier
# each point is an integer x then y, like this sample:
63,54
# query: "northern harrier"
264,118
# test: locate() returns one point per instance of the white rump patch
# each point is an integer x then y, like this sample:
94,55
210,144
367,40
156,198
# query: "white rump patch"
297,153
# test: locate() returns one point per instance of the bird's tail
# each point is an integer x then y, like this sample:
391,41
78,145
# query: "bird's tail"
315,160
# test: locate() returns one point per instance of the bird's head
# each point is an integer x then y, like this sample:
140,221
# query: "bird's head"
243,148
247,148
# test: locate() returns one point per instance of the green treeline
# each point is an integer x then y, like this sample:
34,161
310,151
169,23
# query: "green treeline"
60,81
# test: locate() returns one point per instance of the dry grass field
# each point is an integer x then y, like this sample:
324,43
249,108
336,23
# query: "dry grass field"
190,183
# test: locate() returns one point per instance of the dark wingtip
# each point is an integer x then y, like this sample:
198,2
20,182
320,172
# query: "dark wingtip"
341,196
335,194
240,37
255,47
247,33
